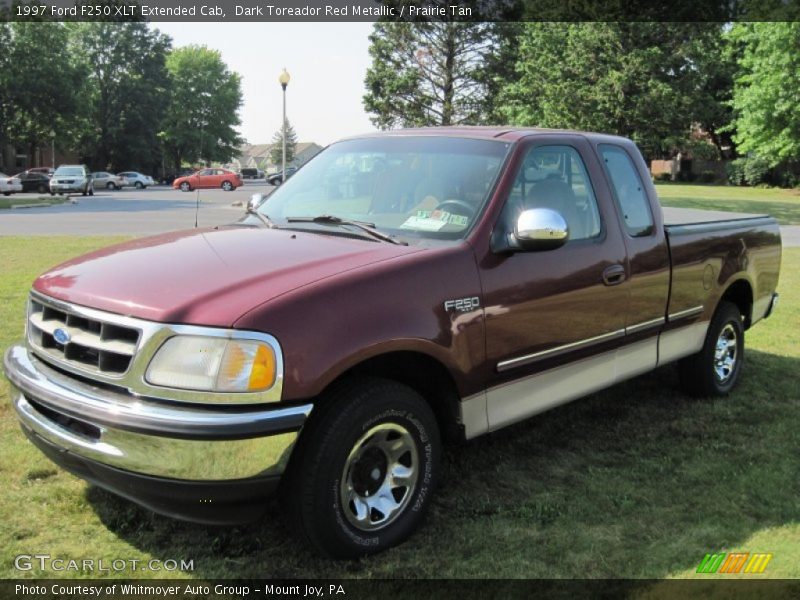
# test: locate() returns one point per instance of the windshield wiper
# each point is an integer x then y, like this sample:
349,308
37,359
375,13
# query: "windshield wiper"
264,218
362,225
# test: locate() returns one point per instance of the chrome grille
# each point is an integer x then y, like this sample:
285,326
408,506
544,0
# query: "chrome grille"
88,344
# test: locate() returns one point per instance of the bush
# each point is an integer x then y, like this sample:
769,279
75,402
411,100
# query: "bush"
748,170
662,177
708,177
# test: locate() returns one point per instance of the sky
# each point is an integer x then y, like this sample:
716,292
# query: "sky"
327,63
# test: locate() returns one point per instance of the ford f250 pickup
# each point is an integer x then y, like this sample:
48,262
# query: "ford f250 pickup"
403,289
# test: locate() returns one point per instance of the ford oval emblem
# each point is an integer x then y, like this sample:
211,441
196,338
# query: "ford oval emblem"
61,336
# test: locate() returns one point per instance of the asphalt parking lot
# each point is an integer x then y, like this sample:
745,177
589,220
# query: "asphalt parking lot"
130,211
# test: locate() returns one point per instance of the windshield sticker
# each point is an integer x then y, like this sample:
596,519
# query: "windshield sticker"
426,220
423,224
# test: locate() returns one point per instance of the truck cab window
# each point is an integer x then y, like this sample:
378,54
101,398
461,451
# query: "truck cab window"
628,190
555,177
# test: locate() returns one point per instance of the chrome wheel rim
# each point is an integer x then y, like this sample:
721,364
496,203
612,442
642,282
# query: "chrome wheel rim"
379,477
726,353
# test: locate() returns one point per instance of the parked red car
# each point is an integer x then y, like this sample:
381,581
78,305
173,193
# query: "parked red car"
209,178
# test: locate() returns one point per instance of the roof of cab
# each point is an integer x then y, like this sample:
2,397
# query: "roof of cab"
504,133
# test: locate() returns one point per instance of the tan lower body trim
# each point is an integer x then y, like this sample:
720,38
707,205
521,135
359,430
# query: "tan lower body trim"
518,400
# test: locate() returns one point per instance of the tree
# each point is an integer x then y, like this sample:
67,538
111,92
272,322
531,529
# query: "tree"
428,73
126,92
641,80
203,109
276,152
766,91
38,96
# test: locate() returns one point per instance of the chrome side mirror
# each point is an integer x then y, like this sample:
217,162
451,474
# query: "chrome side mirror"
540,229
255,201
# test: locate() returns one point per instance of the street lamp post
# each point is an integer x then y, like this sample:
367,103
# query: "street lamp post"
283,79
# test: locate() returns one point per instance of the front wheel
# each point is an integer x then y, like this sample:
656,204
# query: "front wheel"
715,370
110,186
227,186
185,187
139,185
365,469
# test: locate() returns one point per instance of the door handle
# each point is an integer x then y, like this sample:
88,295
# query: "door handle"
614,275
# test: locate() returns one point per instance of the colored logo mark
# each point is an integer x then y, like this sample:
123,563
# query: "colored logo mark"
734,562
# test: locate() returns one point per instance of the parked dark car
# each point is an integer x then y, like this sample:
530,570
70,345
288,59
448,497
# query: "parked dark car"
252,173
35,182
277,178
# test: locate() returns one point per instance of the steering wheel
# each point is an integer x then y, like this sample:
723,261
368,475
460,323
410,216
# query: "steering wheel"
464,206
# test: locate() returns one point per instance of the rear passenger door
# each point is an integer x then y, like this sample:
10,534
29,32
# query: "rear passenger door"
642,228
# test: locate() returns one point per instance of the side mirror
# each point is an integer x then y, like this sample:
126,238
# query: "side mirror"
255,201
540,229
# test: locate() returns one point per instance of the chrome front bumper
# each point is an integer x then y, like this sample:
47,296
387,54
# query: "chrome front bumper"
199,443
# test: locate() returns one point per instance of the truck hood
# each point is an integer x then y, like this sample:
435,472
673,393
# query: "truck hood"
207,276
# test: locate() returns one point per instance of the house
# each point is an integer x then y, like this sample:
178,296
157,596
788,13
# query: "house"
259,156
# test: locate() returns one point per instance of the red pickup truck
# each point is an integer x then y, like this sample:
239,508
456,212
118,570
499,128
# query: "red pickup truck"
401,290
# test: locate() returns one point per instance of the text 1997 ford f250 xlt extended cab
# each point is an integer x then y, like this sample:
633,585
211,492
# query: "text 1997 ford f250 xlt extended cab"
401,289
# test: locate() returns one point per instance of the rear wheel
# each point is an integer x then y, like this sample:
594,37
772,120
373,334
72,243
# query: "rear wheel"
41,188
365,469
715,370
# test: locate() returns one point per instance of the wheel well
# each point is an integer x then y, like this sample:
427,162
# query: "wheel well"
741,294
426,375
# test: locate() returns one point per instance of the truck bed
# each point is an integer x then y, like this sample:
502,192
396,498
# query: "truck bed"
692,216
707,246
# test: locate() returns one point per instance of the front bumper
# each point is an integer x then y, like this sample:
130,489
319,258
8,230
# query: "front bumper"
181,460
68,187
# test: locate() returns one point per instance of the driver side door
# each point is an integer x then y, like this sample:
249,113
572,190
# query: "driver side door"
548,311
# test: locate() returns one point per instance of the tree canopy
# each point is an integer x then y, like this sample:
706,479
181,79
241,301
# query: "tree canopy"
202,115
430,73
766,91
640,80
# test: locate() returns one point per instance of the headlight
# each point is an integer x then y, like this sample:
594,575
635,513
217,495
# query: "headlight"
213,364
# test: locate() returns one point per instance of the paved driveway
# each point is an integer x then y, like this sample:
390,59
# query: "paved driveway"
130,212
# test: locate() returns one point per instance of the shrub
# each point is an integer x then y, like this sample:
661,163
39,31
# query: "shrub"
708,177
662,177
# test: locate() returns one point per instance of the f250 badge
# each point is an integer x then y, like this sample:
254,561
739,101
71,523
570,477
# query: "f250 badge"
462,304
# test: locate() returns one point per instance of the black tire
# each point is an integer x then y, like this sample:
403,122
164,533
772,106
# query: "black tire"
227,186
186,187
139,185
6,193
41,189
110,185
715,370
344,446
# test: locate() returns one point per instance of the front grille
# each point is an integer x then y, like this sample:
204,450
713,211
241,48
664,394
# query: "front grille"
69,338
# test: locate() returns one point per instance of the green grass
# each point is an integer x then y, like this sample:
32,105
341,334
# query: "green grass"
8,202
636,481
782,204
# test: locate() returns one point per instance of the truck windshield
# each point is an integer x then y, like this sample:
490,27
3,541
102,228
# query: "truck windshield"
426,187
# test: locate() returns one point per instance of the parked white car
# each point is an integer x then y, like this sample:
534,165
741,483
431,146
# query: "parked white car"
137,180
104,179
72,179
9,185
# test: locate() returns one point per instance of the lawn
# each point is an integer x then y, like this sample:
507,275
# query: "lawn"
637,481
9,201
782,204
